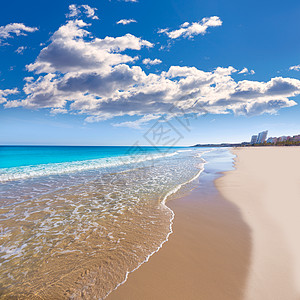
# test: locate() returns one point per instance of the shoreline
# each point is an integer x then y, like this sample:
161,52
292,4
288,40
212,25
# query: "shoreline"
161,277
94,243
171,231
235,235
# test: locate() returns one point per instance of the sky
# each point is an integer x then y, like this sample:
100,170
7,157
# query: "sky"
120,72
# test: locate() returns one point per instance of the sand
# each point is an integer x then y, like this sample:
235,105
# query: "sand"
206,257
239,243
266,188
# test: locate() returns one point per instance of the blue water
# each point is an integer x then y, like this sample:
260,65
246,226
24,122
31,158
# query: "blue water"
16,156
100,209
25,162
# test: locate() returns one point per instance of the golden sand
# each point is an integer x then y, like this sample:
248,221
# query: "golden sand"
206,257
240,244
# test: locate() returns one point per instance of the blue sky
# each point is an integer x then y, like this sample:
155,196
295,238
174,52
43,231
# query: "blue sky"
70,75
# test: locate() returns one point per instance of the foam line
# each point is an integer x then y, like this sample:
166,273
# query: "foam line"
163,203
18,173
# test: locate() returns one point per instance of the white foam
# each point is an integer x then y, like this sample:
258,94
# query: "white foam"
18,173
174,190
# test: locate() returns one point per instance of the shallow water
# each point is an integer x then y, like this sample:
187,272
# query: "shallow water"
77,234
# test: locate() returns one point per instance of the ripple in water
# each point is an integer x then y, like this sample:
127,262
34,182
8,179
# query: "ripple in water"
78,235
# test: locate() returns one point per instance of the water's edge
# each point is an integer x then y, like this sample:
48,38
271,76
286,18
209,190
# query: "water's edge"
164,203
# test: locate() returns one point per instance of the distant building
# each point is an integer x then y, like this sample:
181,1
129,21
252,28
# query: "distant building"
296,138
282,138
262,136
253,139
272,140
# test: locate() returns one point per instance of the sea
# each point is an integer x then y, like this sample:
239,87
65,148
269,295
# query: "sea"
75,221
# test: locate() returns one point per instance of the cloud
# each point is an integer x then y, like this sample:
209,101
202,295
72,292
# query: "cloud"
188,30
82,74
29,79
21,49
295,68
126,21
55,111
76,10
5,93
18,29
148,61
246,71
70,51
137,124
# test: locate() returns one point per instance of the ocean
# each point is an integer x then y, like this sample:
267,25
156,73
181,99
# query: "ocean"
75,221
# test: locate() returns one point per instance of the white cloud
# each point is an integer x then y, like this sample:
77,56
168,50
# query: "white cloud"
21,49
29,79
90,12
76,10
5,93
188,30
87,75
148,61
246,71
55,111
295,68
126,21
18,29
137,124
70,51
185,24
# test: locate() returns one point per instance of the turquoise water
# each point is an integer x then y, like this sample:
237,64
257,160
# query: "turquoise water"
35,161
86,215
16,156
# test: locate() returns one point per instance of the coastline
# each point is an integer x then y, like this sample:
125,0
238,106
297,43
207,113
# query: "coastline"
233,235
98,225
163,203
209,247
238,242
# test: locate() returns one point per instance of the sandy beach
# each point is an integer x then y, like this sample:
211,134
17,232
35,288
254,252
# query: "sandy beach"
266,188
207,254
236,241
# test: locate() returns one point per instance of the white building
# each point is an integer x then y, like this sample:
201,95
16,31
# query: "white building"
262,136
282,138
253,139
272,140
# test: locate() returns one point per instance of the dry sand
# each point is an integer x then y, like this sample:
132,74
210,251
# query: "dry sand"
242,244
266,188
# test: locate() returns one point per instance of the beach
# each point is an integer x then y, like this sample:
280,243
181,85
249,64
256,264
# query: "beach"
207,254
191,223
76,220
265,186
234,237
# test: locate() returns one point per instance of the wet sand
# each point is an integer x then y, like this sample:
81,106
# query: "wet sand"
239,243
207,256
